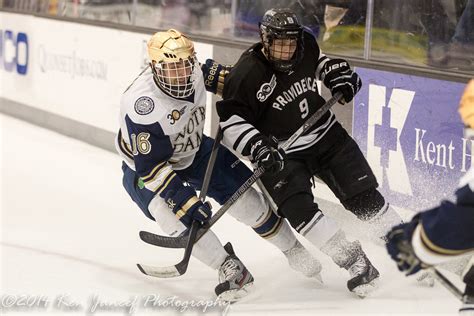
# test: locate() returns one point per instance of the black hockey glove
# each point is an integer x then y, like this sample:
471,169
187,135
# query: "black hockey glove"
338,77
214,75
187,207
400,249
264,152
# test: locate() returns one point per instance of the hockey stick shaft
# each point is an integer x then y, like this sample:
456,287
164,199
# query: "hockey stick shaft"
180,242
311,121
210,165
181,267
446,283
267,195
260,171
303,129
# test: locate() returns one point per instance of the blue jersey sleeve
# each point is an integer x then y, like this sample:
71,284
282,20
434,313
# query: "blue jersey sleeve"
152,150
465,196
449,228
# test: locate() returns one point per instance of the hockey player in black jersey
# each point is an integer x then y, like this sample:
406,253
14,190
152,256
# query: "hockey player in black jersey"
267,96
446,232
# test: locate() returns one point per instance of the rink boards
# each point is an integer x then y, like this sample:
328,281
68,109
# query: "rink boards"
71,75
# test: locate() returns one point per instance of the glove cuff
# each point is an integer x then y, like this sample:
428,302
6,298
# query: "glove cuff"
177,200
190,204
214,76
251,144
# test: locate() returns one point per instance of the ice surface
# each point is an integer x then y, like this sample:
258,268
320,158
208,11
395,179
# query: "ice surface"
69,232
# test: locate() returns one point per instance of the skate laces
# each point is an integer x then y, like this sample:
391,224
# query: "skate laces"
358,267
229,269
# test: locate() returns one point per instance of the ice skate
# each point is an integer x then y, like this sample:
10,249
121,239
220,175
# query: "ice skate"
302,261
467,308
364,275
350,256
235,280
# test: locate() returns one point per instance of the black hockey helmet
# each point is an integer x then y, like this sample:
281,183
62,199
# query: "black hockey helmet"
282,24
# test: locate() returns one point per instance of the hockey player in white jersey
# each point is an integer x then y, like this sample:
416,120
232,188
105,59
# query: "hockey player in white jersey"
165,155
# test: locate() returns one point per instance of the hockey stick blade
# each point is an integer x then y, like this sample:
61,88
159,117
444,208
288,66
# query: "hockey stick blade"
181,267
181,241
159,272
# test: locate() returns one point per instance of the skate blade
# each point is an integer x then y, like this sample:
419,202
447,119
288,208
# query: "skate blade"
235,294
316,277
319,279
364,290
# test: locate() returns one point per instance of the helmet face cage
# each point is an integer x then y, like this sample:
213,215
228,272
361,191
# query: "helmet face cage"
176,78
173,62
282,39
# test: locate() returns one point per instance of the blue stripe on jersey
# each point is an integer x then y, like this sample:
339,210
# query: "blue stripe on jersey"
124,146
163,188
151,176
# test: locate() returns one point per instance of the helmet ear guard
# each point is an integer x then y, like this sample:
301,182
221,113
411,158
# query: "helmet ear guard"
281,24
173,62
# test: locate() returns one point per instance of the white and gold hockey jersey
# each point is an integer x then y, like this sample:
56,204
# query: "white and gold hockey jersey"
160,133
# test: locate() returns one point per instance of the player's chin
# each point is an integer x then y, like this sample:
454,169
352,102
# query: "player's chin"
284,58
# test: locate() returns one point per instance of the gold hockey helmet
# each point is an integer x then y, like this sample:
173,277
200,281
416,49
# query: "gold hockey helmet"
173,62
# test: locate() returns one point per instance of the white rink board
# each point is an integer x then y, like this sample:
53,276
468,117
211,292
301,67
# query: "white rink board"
74,70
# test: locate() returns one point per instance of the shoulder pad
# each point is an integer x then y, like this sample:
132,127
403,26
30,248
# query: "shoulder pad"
143,109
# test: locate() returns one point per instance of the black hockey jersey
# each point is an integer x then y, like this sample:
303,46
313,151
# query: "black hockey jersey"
261,100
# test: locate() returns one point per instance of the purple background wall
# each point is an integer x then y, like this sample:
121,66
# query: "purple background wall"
409,129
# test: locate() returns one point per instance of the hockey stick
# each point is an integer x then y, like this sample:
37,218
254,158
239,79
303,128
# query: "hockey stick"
181,242
446,283
267,195
181,267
